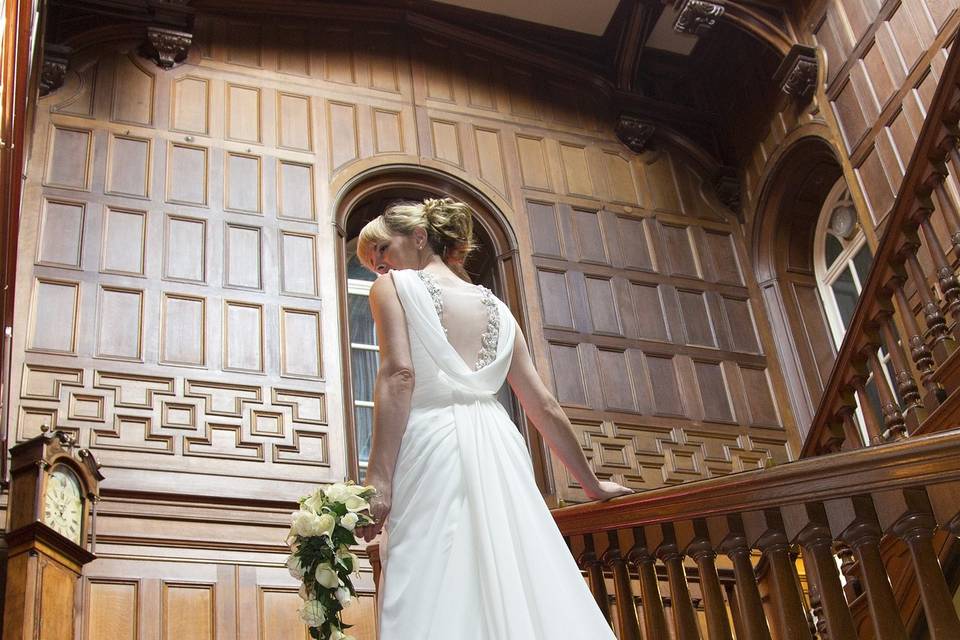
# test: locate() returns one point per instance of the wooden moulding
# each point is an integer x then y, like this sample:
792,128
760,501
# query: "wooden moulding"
913,462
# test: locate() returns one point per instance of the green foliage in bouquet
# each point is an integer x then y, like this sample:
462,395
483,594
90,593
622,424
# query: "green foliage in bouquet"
321,534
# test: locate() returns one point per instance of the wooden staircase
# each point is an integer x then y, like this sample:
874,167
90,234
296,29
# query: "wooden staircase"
872,525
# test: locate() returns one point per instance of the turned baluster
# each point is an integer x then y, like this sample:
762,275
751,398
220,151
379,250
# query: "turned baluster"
909,515
807,524
693,538
914,413
627,619
654,618
894,427
684,617
870,420
727,534
919,351
949,286
849,569
765,529
598,585
854,520
943,343
850,428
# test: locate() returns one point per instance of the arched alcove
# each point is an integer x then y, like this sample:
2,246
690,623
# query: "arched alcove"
494,264
793,196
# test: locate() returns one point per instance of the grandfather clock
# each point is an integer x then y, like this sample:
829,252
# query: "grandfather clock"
53,487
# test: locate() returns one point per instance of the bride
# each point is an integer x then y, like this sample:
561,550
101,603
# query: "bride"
471,550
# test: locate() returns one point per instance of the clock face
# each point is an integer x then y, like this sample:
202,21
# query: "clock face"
63,504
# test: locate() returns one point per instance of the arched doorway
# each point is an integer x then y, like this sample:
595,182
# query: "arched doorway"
805,185
494,264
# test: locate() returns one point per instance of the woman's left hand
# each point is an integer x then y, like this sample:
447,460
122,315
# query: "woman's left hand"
607,489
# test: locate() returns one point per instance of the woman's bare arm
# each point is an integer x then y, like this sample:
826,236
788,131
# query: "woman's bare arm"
391,396
552,422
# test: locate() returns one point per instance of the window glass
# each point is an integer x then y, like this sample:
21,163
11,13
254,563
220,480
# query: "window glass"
362,330
845,294
356,271
862,261
833,249
363,363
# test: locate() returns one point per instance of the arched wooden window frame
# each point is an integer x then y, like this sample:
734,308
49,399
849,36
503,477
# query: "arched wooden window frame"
506,276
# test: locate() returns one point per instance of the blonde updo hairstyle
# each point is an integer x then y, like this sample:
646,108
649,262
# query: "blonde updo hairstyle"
448,223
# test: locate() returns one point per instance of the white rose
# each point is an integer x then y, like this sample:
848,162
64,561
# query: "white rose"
312,613
343,554
326,576
349,521
306,593
303,523
355,503
336,634
294,567
343,596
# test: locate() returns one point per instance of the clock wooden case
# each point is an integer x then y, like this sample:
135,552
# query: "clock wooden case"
53,486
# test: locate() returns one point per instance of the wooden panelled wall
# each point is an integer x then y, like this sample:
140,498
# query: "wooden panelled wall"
177,293
883,61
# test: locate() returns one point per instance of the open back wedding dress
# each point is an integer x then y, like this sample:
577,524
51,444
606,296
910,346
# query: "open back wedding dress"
471,551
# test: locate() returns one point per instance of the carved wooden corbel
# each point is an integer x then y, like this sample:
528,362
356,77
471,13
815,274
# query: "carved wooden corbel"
797,74
726,184
634,132
698,17
166,47
56,57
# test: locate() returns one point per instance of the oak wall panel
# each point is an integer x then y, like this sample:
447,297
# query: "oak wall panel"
295,191
124,244
187,177
129,164
294,122
191,105
53,316
133,92
60,241
244,113
388,131
183,334
342,132
114,608
120,323
68,158
185,248
533,162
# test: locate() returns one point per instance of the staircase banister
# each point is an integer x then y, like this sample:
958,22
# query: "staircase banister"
912,462
932,146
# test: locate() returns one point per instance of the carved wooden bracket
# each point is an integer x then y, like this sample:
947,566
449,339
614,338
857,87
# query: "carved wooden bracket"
56,57
797,74
634,132
698,17
166,47
727,186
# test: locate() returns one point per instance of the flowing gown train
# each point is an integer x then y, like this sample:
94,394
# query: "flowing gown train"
471,550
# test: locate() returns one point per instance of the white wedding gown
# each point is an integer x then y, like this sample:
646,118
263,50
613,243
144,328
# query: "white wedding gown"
471,550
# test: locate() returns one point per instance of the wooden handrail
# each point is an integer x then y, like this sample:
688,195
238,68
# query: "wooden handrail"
906,228
912,462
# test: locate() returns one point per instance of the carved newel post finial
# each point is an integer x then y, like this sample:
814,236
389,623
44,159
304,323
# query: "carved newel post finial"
634,132
56,57
166,47
697,17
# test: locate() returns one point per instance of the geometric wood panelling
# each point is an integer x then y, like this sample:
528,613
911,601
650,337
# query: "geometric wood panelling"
555,299
543,229
575,170
298,264
725,261
120,323
243,113
294,122
184,249
128,160
616,384
183,330
649,311
242,260
300,340
491,157
114,607
53,316
243,183
123,248
191,105
188,611
533,163
763,411
568,374
278,617
187,174
133,93
242,336
743,332
60,242
295,191
713,391
294,56
244,44
679,250
344,145
634,245
590,242
696,318
388,131
446,141
68,158
665,388
603,306
623,186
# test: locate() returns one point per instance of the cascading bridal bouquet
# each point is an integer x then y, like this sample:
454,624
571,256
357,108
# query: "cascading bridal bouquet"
320,537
